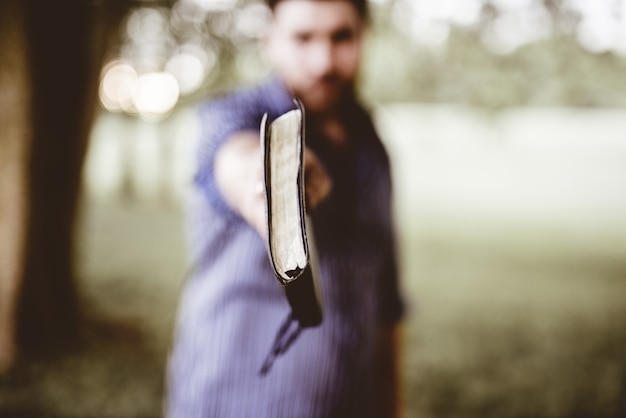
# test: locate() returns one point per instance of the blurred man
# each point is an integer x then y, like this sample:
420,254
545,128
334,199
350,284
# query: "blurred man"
232,306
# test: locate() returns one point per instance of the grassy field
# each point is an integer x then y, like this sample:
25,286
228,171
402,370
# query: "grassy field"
517,301
523,326
514,257
507,322
131,263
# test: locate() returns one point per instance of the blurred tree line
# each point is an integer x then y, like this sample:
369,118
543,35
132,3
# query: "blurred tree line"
553,70
50,71
508,53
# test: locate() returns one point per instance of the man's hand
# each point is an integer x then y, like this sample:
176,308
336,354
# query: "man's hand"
239,177
317,183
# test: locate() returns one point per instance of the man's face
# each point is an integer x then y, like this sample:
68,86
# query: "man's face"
315,46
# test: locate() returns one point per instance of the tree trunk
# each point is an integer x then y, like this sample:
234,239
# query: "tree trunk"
14,143
51,102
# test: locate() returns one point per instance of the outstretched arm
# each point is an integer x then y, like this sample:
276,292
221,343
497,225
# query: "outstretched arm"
239,177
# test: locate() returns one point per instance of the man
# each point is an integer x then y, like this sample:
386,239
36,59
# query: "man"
232,306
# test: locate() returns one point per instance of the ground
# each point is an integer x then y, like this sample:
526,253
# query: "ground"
498,326
513,261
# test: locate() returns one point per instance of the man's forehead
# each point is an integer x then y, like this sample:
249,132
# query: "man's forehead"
316,15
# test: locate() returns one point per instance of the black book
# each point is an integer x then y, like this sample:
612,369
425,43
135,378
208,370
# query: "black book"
290,240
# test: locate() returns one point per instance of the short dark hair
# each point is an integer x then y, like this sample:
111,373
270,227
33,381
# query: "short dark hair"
361,5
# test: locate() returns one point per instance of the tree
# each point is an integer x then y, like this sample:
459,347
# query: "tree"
52,54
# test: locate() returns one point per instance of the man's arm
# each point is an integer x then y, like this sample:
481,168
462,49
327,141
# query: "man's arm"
239,178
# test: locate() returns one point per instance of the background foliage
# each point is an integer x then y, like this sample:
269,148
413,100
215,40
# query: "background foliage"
488,53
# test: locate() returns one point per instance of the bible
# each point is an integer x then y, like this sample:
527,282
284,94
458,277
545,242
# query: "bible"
290,242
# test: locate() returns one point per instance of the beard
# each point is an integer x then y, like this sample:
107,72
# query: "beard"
326,94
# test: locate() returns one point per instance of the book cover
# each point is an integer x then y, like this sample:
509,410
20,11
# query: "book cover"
290,242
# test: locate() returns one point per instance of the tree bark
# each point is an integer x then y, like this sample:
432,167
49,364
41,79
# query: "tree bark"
54,52
14,144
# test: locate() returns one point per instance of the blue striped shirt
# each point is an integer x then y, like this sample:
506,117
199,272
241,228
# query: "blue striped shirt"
232,305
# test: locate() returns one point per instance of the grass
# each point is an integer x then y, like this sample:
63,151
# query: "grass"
515,322
513,256
130,262
504,321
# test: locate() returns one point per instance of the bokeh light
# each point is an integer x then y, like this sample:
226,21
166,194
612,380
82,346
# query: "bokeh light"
603,25
252,21
147,24
156,94
190,65
116,86
214,5
517,27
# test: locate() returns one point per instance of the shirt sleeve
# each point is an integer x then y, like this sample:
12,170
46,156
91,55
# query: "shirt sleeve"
392,308
219,120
